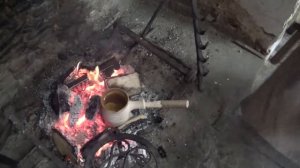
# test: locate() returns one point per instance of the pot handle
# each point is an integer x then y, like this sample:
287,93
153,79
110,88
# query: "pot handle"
175,103
158,104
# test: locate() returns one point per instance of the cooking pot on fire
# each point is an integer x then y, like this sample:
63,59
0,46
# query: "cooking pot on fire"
117,107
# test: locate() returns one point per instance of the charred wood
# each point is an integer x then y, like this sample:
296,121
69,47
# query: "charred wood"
76,82
62,77
62,98
63,146
93,107
109,66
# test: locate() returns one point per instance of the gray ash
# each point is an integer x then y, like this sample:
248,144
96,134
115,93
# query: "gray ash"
153,115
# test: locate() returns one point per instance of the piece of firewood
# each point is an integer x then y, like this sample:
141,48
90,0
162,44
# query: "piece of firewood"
93,107
130,83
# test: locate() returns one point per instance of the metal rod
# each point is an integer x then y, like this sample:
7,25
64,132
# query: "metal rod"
248,49
148,26
156,50
199,46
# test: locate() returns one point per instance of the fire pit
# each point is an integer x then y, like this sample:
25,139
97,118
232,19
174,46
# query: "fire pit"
79,121
76,102
80,130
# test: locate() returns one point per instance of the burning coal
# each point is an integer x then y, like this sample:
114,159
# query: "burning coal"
80,120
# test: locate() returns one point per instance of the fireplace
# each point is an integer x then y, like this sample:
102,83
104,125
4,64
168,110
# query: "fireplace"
97,110
79,131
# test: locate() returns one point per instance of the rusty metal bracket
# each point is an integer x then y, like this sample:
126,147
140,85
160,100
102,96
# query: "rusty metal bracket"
110,135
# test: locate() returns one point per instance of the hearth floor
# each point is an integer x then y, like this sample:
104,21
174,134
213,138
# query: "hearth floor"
197,137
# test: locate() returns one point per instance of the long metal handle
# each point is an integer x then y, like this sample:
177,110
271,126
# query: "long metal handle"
175,103
168,104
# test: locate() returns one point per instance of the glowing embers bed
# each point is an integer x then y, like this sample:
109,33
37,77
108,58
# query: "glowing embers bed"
79,113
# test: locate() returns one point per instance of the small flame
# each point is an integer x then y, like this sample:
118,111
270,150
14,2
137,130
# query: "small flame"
80,120
78,66
118,72
94,75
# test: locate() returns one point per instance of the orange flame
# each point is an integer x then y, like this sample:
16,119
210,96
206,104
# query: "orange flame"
118,72
80,120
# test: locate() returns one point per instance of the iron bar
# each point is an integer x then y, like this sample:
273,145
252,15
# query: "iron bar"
159,52
201,69
248,48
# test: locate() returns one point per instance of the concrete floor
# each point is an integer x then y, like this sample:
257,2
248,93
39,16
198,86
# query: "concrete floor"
198,137
189,137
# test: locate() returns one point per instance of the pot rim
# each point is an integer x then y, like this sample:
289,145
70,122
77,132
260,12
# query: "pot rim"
113,90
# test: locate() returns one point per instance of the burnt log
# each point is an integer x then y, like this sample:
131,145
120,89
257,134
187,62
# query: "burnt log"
53,98
108,66
76,82
64,147
58,97
63,98
63,77
93,107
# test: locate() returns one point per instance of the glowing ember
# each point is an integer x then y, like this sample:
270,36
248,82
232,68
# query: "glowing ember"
103,148
110,144
84,130
118,72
